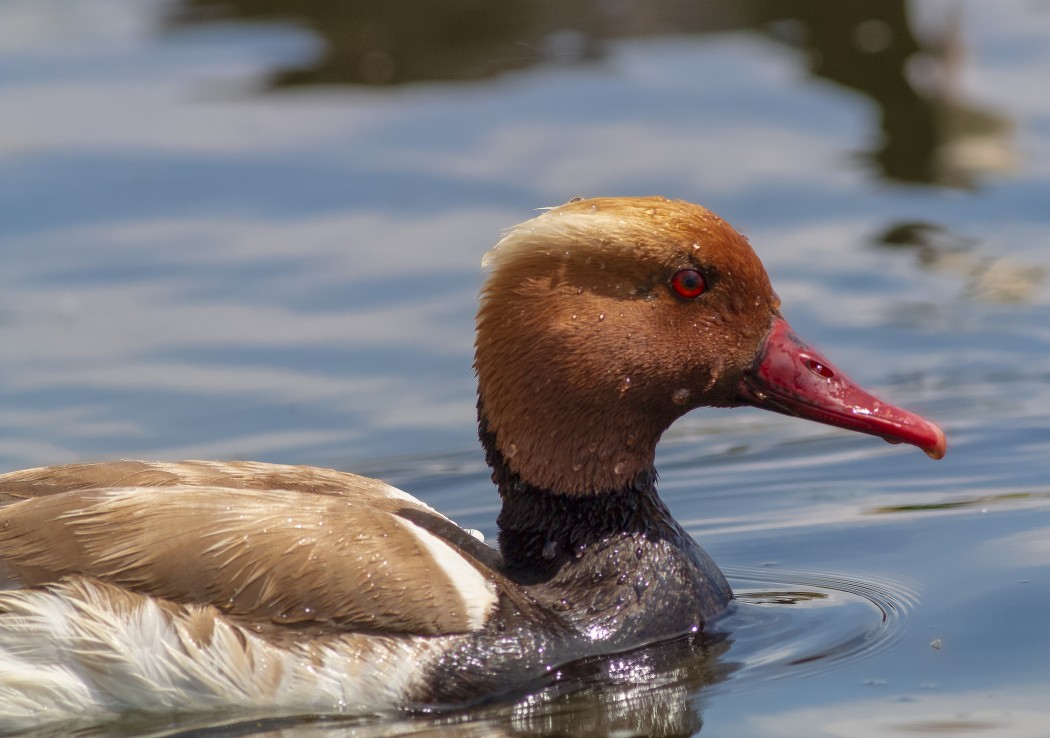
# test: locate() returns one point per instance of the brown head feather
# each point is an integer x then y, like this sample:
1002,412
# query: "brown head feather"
585,356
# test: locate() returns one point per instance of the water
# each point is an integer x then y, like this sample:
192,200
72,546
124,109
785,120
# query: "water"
239,231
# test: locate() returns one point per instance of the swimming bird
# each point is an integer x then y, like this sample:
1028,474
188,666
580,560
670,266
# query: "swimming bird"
200,585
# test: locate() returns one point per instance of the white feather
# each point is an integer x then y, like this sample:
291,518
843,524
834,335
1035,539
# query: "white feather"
83,649
477,592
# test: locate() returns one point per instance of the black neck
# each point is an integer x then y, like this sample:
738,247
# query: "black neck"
613,559
540,528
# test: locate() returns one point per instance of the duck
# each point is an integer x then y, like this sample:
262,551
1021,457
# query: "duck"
196,586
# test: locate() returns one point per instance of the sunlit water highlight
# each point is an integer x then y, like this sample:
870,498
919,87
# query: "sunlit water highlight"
202,259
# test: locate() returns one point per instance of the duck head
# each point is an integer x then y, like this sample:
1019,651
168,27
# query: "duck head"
603,321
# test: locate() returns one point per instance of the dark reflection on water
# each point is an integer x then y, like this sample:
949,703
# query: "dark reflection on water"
982,501
928,133
651,691
985,278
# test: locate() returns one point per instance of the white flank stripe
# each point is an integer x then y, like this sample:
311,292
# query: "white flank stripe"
477,593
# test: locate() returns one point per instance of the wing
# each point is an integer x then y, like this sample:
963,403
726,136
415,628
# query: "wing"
264,543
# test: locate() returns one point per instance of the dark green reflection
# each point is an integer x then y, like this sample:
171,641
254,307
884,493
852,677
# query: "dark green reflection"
981,501
928,133
989,279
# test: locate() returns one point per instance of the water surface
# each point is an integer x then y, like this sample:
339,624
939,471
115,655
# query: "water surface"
240,230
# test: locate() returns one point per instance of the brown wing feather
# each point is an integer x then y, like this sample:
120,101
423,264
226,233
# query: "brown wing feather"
43,481
323,547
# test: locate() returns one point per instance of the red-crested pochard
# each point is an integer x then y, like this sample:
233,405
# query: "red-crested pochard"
196,586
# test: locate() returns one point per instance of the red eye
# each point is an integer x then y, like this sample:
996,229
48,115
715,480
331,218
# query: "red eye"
689,284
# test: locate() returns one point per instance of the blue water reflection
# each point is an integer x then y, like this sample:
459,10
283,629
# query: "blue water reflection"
219,239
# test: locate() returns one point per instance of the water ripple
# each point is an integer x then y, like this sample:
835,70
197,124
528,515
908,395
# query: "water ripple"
792,623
